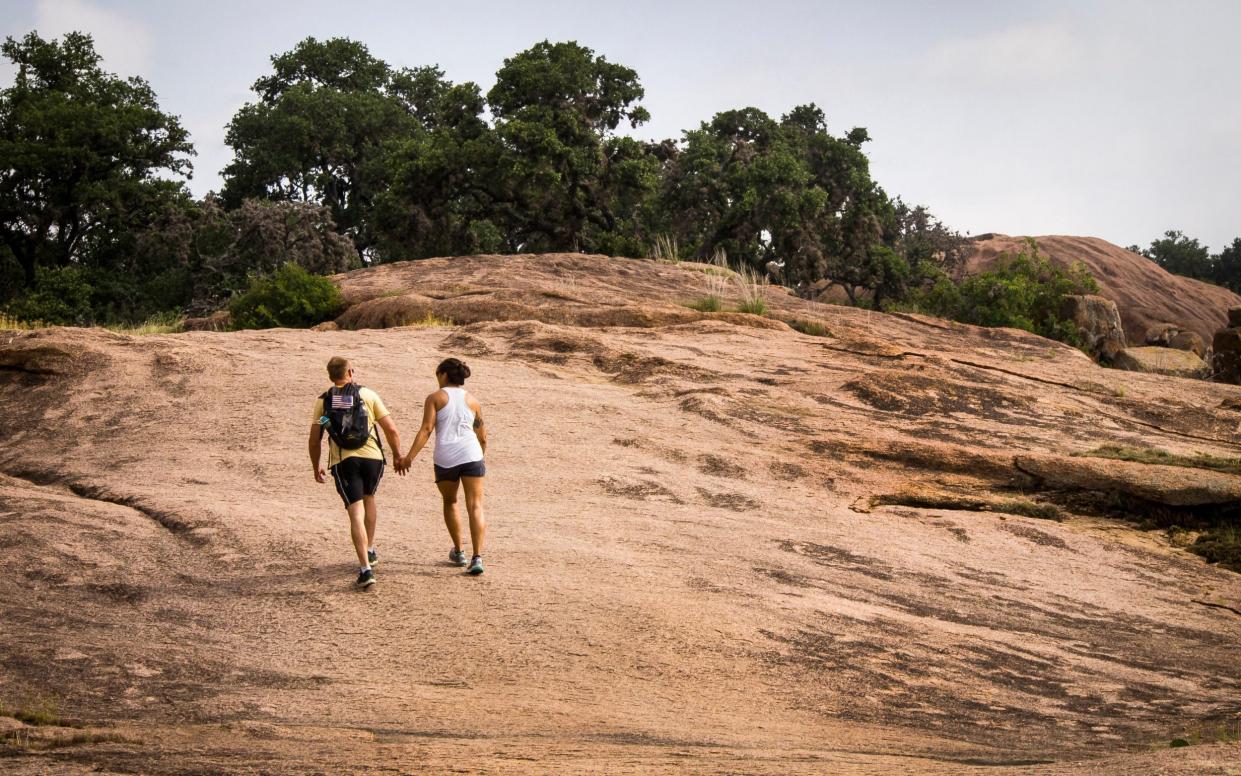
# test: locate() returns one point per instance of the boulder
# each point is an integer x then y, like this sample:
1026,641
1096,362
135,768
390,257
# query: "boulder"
1160,333
1189,340
1099,321
1172,335
1234,317
1226,355
325,326
1161,361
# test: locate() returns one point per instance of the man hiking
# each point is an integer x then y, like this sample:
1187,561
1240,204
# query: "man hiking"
349,414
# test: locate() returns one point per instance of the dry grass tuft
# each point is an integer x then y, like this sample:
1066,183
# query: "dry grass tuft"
430,321
666,249
160,323
9,323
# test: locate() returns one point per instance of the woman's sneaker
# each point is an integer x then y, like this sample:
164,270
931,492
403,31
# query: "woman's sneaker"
456,557
476,565
372,557
366,578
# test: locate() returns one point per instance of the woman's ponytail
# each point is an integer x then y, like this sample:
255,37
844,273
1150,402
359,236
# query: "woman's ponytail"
455,369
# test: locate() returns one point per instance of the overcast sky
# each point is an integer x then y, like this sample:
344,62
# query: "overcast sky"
1112,118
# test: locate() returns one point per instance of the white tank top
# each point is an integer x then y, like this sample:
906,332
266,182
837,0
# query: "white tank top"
455,440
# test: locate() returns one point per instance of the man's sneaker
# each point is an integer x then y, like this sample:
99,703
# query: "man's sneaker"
366,578
372,557
476,565
456,557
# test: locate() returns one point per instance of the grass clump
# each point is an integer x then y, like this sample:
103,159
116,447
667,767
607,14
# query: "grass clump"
708,304
1152,455
430,321
159,323
813,328
750,285
12,323
1029,509
16,741
38,712
753,307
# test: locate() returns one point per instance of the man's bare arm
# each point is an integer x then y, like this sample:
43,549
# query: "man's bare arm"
316,449
391,434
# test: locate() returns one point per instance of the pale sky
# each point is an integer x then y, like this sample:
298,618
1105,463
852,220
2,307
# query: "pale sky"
1110,118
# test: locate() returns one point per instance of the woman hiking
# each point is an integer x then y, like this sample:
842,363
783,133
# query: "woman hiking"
460,442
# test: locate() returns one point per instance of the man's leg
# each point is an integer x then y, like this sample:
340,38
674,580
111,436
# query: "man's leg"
448,491
357,530
372,517
474,505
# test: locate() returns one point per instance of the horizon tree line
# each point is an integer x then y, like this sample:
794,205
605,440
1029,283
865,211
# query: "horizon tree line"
342,160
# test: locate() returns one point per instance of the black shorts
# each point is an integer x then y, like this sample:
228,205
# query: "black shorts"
357,477
455,473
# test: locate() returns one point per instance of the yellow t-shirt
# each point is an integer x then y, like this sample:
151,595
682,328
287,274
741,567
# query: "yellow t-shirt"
375,411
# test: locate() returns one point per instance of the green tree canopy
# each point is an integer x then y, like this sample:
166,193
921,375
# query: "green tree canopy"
565,178
437,185
83,150
323,118
785,191
1227,270
1181,255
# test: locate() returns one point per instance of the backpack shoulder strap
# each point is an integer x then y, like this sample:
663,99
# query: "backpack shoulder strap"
374,426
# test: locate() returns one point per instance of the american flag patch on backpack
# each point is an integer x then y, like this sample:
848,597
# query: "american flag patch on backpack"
342,402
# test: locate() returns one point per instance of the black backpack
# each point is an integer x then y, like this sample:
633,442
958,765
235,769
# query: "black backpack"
348,423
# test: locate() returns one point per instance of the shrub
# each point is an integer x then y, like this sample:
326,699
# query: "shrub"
1220,545
291,297
60,296
1024,291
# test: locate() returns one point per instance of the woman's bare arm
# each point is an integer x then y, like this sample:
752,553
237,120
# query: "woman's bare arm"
424,431
480,429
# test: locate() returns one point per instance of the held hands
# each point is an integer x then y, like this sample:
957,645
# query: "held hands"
402,464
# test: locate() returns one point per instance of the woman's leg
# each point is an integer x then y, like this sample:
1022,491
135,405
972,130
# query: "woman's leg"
474,505
448,490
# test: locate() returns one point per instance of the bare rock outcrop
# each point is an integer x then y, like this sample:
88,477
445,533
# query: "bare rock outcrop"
1161,361
1168,485
1099,321
1145,293
905,555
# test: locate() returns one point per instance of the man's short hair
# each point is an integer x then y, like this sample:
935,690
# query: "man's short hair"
337,368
